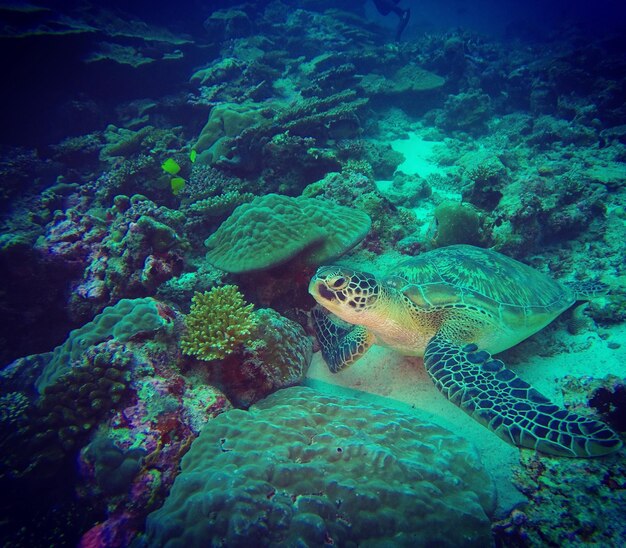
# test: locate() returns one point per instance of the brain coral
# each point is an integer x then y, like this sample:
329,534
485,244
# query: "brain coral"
305,469
274,229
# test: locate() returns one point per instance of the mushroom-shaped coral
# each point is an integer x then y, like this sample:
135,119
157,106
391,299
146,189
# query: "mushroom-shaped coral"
273,229
218,322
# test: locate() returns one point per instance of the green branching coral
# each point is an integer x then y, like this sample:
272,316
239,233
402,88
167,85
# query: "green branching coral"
219,321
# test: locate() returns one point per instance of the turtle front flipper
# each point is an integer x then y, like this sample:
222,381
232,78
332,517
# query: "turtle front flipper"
497,398
341,343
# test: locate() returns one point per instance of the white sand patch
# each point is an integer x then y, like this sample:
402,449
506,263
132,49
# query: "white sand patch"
422,158
419,155
588,355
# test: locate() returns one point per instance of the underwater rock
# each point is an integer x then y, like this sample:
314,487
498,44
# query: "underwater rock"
549,130
143,247
130,464
406,84
408,190
228,24
301,467
488,177
278,356
538,210
134,241
329,81
226,122
53,423
382,158
570,501
131,394
457,223
468,111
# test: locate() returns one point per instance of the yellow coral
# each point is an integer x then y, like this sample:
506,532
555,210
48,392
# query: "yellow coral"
218,322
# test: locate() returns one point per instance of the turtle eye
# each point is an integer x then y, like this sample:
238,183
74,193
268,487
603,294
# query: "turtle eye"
339,283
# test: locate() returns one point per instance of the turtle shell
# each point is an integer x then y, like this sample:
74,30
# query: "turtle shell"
482,278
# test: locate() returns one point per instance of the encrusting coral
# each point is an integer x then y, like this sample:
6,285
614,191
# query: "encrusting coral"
218,322
120,322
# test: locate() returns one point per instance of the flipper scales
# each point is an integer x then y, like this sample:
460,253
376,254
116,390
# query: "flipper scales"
496,397
341,344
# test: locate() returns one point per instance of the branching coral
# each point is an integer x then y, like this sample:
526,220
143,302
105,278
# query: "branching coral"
218,322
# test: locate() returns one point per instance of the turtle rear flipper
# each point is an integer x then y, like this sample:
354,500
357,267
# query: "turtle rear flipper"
341,343
497,398
584,291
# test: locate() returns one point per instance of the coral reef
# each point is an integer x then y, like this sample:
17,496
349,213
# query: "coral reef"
408,83
134,241
517,148
468,111
355,188
225,122
54,425
456,224
123,407
305,468
408,190
130,463
219,321
571,502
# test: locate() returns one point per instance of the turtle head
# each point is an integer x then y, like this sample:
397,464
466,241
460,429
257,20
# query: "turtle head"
346,293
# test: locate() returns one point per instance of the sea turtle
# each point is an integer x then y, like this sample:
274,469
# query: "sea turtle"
456,306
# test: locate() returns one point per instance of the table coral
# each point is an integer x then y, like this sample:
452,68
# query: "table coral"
303,468
406,83
273,229
219,321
